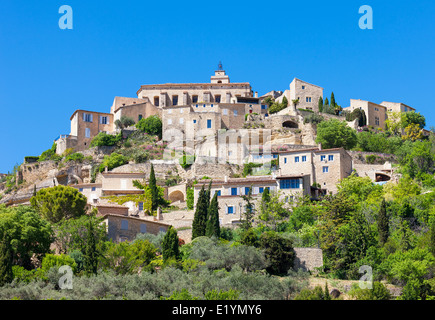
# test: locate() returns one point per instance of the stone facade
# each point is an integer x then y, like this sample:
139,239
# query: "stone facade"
122,228
92,191
308,259
376,114
307,93
396,106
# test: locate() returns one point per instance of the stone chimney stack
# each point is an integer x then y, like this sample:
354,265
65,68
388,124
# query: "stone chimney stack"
320,146
226,179
256,94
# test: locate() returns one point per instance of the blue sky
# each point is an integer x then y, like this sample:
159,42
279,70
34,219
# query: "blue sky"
115,46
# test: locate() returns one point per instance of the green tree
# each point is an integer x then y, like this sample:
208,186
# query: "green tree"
190,198
90,251
59,202
151,125
336,134
273,210
170,245
320,104
29,234
104,139
249,211
6,256
412,117
383,224
279,252
213,227
113,161
153,187
284,102
124,122
200,217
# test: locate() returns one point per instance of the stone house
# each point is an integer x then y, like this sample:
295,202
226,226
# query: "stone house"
92,191
124,228
396,106
307,93
325,167
376,114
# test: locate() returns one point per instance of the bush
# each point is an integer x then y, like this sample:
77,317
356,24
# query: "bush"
51,260
151,125
78,157
112,161
104,139
190,198
335,134
279,252
378,292
313,118
50,154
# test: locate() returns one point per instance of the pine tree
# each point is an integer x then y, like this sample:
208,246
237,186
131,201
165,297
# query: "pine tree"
154,190
213,227
170,245
320,104
6,256
333,104
383,227
90,254
200,217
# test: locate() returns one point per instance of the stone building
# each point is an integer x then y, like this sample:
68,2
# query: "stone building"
124,228
92,191
376,114
308,94
396,106
323,167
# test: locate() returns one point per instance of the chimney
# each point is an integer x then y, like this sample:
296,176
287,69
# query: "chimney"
320,146
106,169
226,179
256,94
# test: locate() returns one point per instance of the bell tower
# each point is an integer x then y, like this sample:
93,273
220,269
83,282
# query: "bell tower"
220,76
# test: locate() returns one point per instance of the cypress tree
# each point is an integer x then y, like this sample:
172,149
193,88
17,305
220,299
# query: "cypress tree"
154,190
333,104
200,217
213,227
326,296
34,190
284,102
170,244
320,104
326,102
207,195
6,256
383,227
90,254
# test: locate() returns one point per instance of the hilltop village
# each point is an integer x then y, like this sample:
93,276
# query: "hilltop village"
220,134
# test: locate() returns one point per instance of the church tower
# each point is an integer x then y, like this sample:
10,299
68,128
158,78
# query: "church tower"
220,76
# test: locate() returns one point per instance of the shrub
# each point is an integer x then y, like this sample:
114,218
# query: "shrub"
378,292
279,252
151,125
112,161
75,157
104,139
313,118
51,260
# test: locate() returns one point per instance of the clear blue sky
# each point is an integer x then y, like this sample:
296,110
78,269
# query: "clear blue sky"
46,73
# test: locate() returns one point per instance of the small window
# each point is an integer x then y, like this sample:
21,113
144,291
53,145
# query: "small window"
217,98
325,169
196,106
174,100
230,210
169,121
308,99
156,101
87,117
140,206
161,229
303,87
87,133
296,159
322,158
208,123
93,189
285,160
81,189
331,157
194,121
143,228
140,117
203,105
181,120
304,158
260,189
211,105
234,191
124,224
194,99
218,192
235,112
103,120
225,111
247,190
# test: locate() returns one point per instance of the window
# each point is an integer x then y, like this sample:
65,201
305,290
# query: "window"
140,117
169,121
260,189
156,101
303,87
203,105
174,100
81,189
235,112
104,120
161,229
143,228
322,158
123,184
208,123
308,99
196,106
285,160
87,117
234,191
331,157
377,121
194,121
304,158
247,190
218,192
87,133
230,153
225,111
296,159
93,189
124,224
217,98
181,120
376,109
263,107
194,99
230,210
211,106
170,111
289,184
140,206
325,169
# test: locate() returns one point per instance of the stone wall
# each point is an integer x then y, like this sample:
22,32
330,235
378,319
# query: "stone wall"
308,258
